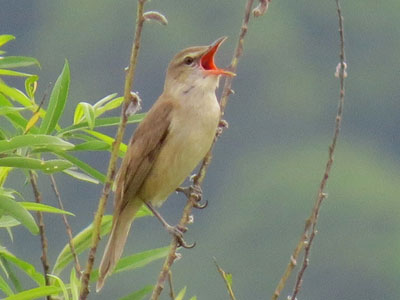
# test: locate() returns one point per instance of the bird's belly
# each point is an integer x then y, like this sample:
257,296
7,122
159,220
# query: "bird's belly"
181,153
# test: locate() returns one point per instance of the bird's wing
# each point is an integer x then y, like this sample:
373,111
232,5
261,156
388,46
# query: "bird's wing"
143,149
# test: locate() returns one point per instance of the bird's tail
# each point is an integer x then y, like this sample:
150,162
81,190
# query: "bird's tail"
116,242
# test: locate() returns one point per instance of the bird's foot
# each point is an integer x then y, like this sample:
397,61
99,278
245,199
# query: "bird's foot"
195,193
223,124
177,231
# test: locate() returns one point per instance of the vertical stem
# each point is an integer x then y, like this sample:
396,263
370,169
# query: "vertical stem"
130,75
42,230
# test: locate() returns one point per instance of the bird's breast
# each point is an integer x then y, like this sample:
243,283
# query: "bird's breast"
191,133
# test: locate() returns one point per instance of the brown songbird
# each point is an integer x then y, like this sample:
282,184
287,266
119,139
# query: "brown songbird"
168,144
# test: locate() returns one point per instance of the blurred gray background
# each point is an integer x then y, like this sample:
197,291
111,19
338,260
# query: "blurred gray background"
267,166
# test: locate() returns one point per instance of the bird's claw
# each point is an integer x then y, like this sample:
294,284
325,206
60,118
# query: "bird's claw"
195,193
177,232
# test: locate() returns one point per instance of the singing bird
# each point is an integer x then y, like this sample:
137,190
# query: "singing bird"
168,144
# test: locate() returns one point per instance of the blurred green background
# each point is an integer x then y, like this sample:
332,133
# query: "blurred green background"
267,166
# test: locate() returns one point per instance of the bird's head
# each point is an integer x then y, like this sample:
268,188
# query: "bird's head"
194,67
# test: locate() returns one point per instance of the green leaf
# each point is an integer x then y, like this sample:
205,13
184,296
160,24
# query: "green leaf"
15,94
30,85
7,221
181,294
48,166
44,208
82,165
81,176
57,101
23,266
35,140
36,293
109,140
11,109
139,295
92,146
61,284
193,298
115,103
75,285
14,209
5,287
81,242
84,111
4,72
101,122
104,100
5,38
136,260
11,62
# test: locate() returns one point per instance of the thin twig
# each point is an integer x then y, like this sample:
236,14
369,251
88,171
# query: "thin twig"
128,100
67,227
171,286
224,276
311,223
198,178
42,230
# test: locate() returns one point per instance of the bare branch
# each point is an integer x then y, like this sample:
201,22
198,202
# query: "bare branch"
310,231
42,230
130,75
67,227
198,178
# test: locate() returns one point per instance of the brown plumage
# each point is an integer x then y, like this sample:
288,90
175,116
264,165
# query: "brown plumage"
167,145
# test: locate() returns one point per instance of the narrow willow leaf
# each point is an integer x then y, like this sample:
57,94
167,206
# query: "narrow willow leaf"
31,85
81,242
75,285
35,140
14,209
58,98
32,121
5,38
61,284
44,208
10,62
81,176
193,298
24,266
101,122
181,294
115,103
82,165
4,72
5,287
36,293
11,109
48,166
85,111
15,94
109,140
104,100
15,118
137,260
140,294
7,221
92,146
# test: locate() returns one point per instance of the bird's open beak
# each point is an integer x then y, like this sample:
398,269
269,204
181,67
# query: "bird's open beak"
207,60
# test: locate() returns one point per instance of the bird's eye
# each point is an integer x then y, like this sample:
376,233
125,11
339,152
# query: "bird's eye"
188,60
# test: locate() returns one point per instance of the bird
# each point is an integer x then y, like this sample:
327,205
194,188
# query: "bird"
168,144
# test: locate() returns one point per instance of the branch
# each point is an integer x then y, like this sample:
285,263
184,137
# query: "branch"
129,99
42,230
199,177
67,227
310,231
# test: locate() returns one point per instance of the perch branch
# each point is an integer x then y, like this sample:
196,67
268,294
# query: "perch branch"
42,230
310,231
198,178
129,100
67,227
